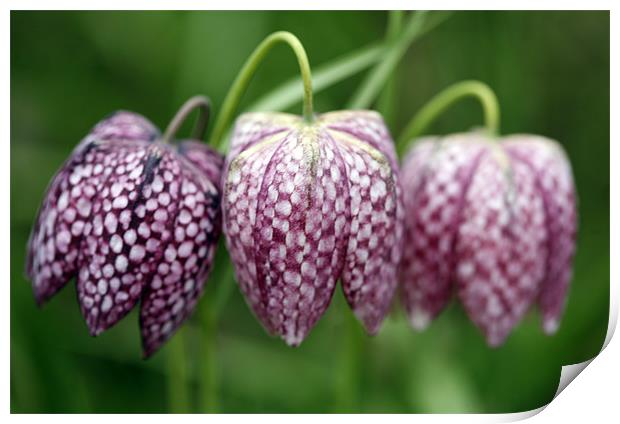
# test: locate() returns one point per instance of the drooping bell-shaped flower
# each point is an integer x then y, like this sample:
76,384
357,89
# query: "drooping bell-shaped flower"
307,204
132,218
494,222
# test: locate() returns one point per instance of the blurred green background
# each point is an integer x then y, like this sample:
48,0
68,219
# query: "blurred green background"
70,69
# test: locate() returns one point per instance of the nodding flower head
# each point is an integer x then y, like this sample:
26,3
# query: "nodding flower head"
132,218
496,222
306,204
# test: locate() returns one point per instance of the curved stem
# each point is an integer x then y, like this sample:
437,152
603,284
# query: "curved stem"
438,104
245,75
323,76
201,102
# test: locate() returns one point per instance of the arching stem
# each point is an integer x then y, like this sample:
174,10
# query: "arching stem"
201,102
442,101
231,102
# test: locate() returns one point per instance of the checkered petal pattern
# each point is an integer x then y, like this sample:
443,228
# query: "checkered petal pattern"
435,175
306,205
133,219
493,222
554,179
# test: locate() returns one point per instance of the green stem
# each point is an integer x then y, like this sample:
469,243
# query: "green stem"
222,283
349,363
442,101
178,396
224,291
323,76
395,23
244,77
208,377
201,102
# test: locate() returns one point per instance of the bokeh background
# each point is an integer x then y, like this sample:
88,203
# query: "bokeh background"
70,69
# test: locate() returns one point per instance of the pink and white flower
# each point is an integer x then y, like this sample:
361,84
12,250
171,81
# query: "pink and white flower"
132,219
307,204
494,222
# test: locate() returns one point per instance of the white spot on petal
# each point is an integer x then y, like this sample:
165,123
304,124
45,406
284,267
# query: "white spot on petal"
284,207
137,252
106,304
121,263
120,202
185,217
130,236
185,249
292,278
102,287
116,243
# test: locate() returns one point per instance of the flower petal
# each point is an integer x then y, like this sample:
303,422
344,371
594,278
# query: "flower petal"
365,125
242,183
500,250
549,163
252,128
122,241
373,248
300,232
54,243
124,125
172,293
205,158
436,176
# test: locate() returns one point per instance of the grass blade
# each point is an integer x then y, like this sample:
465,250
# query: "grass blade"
418,25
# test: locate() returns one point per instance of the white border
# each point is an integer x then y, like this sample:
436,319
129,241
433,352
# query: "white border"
595,393
311,5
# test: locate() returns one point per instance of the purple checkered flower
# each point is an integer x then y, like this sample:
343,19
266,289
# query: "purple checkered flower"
132,218
495,222
306,204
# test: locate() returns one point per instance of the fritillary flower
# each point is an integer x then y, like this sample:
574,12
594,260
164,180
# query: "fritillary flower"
307,204
494,222
133,219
